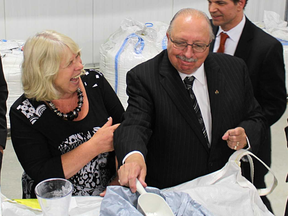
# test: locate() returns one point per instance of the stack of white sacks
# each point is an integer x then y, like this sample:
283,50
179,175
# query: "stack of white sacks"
12,57
133,43
274,25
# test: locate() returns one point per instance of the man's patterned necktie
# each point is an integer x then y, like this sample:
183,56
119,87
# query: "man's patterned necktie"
188,84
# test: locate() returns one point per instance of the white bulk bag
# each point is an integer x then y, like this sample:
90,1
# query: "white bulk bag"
226,192
133,43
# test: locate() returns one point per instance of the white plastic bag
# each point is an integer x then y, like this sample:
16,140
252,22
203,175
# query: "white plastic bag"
121,201
133,43
227,192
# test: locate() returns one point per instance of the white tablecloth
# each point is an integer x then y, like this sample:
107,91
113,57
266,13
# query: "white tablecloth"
80,206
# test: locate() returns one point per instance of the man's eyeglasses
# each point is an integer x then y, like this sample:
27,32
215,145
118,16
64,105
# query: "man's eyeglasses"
197,47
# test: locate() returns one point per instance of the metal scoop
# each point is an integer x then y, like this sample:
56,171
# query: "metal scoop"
151,204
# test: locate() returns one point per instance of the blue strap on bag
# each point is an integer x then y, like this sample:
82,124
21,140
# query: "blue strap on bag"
138,48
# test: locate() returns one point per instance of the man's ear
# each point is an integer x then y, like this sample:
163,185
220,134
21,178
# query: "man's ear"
241,4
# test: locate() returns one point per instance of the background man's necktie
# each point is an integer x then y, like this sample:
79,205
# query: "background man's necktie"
223,38
188,84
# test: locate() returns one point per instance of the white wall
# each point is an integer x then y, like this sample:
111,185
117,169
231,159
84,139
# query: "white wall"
255,8
2,23
70,17
90,22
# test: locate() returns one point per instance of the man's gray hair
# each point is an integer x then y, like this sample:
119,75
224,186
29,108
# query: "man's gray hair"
194,13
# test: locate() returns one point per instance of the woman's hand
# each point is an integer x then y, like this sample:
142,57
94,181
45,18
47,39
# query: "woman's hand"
103,138
115,181
102,141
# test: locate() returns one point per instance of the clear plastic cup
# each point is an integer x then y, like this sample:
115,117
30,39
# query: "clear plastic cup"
54,196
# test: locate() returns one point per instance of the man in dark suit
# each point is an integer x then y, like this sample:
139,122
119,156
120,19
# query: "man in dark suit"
161,134
263,55
286,134
3,109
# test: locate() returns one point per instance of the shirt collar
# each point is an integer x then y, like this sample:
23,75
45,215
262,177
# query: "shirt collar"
199,74
234,33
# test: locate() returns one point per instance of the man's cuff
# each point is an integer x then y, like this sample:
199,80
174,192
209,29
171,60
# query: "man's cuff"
133,152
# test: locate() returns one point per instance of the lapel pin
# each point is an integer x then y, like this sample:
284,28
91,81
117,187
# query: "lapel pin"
216,92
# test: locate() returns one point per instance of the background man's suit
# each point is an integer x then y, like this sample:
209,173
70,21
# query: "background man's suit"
263,55
164,126
3,109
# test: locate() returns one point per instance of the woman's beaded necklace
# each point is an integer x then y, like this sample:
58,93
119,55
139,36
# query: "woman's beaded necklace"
73,114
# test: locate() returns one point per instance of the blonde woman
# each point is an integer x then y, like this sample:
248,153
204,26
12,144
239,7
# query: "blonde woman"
63,124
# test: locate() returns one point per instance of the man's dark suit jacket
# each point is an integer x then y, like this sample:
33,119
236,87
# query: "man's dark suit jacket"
263,55
160,121
3,109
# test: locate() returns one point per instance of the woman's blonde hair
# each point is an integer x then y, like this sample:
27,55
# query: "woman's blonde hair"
43,54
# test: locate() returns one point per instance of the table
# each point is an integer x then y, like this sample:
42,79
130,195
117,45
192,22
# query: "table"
80,206
223,192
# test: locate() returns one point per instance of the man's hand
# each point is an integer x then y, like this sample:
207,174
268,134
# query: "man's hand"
133,168
236,138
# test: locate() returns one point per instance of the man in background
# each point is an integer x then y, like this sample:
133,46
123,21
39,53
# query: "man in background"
263,55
